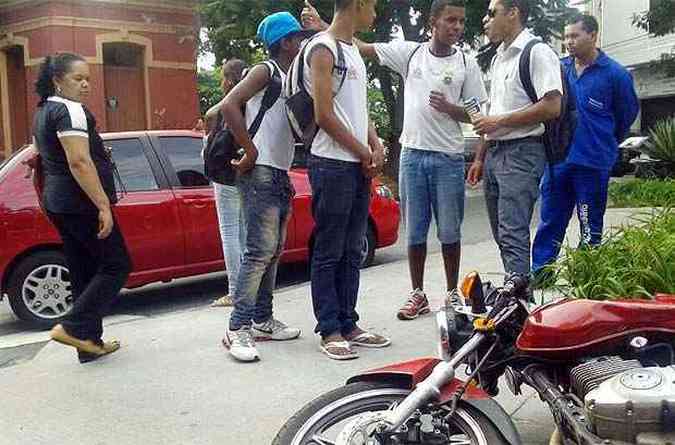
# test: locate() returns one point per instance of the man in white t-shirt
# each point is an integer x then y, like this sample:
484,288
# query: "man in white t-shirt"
265,187
514,156
438,78
345,154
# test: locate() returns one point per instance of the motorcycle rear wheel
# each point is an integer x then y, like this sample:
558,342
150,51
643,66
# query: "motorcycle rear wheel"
312,424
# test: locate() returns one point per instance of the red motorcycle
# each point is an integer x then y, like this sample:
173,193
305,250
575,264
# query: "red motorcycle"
606,369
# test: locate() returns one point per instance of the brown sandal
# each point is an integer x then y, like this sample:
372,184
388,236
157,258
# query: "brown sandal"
338,350
87,349
108,348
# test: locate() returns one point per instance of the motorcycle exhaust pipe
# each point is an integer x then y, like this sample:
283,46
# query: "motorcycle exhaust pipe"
430,387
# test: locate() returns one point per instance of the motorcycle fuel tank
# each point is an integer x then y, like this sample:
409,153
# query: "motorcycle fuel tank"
570,328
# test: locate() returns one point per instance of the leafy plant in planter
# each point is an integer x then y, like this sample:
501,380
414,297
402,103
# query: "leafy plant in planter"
661,147
637,261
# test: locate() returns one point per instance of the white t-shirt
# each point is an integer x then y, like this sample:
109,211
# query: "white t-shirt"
424,128
351,102
274,139
506,91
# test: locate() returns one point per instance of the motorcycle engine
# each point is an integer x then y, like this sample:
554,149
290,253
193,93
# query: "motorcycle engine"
626,402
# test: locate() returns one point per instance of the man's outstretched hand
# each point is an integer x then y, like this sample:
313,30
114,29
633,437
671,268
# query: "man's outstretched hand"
311,19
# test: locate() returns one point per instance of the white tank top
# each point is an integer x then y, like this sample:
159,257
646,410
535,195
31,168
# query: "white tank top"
351,102
274,139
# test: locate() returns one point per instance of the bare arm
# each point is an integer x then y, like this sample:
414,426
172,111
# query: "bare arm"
376,147
548,108
254,82
475,173
438,102
84,171
211,116
312,20
321,63
367,50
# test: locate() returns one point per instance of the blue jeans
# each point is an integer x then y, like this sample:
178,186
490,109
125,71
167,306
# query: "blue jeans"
340,201
228,208
266,195
570,186
513,170
431,183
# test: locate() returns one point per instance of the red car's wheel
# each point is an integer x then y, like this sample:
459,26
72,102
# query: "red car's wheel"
39,289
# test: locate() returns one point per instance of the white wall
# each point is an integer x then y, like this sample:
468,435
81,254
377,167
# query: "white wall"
621,39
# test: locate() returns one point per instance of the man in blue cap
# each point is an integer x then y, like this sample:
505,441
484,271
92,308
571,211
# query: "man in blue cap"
264,186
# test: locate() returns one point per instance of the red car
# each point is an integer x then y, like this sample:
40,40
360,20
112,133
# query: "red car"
167,216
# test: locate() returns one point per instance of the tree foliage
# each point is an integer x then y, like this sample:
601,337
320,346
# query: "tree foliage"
210,93
659,21
231,28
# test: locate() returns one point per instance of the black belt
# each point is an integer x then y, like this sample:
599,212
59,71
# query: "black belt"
535,139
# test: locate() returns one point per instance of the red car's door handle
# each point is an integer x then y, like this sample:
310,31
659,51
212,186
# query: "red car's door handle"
196,203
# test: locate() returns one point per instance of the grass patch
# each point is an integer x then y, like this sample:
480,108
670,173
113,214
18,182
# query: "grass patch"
642,193
636,261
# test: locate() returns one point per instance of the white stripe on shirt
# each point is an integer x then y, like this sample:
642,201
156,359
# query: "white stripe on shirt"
78,119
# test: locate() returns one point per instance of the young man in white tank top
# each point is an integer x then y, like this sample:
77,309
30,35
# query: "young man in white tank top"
346,153
265,189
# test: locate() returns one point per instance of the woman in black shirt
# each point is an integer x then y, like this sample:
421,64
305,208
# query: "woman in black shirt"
79,190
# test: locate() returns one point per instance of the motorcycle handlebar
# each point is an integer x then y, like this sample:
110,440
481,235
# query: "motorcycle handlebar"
516,283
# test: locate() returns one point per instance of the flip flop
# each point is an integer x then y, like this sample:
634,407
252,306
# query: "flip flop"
87,350
108,348
338,350
370,340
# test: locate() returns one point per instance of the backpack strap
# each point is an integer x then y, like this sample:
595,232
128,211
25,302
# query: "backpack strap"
407,69
461,91
524,70
272,94
339,66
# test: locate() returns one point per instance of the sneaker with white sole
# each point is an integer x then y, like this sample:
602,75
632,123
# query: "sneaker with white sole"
273,329
416,305
241,344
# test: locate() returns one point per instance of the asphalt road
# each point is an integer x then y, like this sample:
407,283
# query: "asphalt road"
189,293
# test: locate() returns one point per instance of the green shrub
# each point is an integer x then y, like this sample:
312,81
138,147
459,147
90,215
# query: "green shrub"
636,261
661,143
642,193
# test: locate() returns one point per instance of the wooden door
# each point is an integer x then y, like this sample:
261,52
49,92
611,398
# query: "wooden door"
125,98
16,80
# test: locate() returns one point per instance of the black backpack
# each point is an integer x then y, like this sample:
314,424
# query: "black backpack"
300,103
559,132
221,145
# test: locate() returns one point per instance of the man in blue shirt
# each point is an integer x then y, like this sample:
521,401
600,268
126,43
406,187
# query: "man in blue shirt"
607,105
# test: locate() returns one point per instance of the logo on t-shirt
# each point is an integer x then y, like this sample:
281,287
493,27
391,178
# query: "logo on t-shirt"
352,74
417,73
447,76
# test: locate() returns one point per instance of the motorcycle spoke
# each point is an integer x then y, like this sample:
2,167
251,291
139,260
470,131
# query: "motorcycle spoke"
460,439
318,440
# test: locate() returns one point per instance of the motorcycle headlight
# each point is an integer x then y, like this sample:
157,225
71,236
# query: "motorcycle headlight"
446,328
384,191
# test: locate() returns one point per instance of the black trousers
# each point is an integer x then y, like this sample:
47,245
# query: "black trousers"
98,270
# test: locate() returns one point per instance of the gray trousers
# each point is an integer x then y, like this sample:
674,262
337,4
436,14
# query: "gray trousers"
513,170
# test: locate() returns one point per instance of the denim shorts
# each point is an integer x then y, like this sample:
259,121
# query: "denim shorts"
431,183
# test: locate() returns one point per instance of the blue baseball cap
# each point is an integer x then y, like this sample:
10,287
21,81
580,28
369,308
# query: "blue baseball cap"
276,26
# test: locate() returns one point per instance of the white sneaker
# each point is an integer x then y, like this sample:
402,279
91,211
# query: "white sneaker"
273,329
241,345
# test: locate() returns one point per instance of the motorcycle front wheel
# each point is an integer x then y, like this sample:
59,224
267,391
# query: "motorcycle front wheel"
320,421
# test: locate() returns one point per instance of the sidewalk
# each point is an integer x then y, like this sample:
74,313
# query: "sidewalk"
173,383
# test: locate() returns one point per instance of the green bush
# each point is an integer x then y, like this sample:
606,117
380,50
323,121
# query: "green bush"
637,261
661,143
642,193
